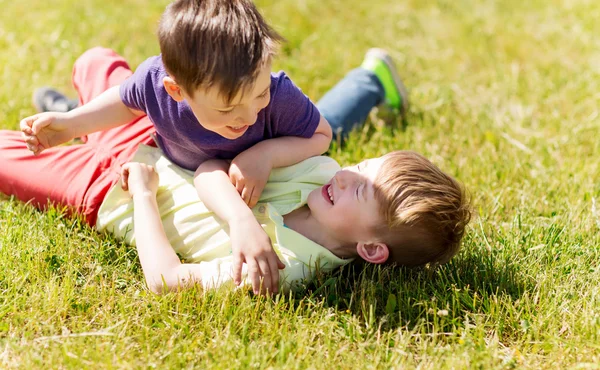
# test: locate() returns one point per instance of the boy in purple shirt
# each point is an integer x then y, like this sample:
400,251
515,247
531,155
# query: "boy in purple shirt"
210,96
187,143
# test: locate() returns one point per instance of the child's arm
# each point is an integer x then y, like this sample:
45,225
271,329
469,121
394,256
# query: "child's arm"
250,170
249,242
162,268
48,129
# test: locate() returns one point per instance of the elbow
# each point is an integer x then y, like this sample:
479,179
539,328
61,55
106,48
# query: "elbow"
157,289
211,165
324,142
325,135
208,170
170,281
320,142
160,284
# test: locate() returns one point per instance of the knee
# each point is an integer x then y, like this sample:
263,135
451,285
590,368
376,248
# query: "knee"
95,62
94,54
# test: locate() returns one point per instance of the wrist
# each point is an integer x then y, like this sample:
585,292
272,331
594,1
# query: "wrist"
243,217
144,194
70,122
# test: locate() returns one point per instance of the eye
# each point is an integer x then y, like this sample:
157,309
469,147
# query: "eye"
359,190
263,94
224,113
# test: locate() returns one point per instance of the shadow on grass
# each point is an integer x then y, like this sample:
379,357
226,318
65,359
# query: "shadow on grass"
404,297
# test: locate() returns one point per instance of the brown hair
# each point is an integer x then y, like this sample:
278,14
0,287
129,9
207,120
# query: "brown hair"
426,211
222,42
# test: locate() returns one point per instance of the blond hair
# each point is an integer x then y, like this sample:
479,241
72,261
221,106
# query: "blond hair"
425,210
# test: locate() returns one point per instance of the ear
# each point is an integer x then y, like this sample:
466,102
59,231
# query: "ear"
173,89
376,253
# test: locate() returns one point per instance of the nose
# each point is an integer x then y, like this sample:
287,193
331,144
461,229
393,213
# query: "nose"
343,178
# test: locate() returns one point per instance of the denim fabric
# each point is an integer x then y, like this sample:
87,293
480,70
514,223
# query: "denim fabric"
347,105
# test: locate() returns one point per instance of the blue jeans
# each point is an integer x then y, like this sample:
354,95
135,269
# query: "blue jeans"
347,105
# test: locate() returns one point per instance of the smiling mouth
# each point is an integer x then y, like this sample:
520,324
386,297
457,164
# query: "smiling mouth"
238,129
327,193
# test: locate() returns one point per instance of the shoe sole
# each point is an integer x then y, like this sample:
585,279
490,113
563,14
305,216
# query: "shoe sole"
37,98
389,62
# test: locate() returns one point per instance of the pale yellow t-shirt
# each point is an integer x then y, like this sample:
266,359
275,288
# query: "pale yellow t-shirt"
199,236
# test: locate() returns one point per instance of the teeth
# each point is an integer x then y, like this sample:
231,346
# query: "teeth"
329,191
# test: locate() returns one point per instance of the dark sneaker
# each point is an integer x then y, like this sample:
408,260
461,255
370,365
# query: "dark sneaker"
380,62
47,99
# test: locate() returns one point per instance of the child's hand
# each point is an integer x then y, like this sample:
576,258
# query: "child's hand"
249,172
250,244
45,130
139,178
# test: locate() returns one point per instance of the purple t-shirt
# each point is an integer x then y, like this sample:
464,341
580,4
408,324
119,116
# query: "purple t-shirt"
185,142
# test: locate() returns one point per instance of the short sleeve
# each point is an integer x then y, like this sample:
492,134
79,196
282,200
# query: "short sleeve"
292,112
133,90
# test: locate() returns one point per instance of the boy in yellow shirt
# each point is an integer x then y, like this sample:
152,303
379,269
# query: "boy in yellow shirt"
398,208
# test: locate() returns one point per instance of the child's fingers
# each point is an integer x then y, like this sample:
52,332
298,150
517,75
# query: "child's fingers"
31,140
254,197
274,272
239,185
125,177
247,195
32,143
237,268
254,275
280,265
26,123
39,123
267,279
25,126
125,167
33,148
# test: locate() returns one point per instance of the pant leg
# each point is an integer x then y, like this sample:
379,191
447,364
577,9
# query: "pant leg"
347,105
94,72
76,176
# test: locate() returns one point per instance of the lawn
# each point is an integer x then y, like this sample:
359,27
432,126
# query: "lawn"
505,96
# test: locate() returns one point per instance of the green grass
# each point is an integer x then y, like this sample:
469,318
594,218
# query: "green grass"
505,96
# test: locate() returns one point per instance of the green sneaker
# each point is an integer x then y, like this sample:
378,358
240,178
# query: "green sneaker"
379,62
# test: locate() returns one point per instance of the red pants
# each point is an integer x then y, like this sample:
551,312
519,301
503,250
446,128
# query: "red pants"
76,176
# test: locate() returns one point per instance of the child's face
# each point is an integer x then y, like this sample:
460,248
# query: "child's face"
231,120
346,206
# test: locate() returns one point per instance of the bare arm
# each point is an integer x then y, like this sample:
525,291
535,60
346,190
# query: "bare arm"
249,242
289,150
250,170
104,112
162,268
219,194
49,129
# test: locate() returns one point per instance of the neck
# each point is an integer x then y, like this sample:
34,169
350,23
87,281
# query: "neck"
302,221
